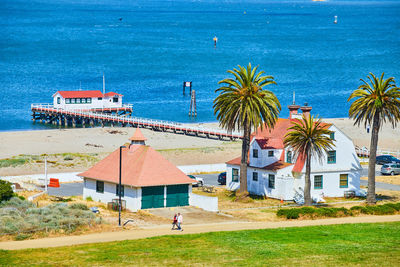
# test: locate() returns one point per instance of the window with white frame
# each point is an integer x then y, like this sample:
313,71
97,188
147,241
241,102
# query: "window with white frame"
271,181
255,176
255,153
235,175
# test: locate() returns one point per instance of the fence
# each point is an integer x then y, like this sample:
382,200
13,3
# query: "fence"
204,202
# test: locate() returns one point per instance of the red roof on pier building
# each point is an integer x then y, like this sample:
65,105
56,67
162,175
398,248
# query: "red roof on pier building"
84,94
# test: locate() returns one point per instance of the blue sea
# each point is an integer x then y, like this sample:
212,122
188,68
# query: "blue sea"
146,49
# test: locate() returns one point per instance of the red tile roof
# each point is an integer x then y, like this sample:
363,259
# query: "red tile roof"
277,165
112,94
141,166
268,143
138,136
79,94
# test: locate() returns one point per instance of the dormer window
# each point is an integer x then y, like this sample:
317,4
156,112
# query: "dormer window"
255,153
270,153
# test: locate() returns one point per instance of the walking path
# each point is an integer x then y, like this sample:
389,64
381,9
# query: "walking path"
160,230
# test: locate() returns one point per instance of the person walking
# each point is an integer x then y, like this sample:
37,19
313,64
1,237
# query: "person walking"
175,221
180,220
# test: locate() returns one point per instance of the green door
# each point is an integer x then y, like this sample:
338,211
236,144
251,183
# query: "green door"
152,197
177,195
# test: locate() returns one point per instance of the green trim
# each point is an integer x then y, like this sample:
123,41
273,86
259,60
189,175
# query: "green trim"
315,182
345,179
332,157
87,100
332,135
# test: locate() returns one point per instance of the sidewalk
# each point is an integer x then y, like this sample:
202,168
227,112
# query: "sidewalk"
160,230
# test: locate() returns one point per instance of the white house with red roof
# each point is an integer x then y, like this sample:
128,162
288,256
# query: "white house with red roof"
89,99
274,172
148,179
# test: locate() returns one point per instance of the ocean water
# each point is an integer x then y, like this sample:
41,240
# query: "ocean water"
50,45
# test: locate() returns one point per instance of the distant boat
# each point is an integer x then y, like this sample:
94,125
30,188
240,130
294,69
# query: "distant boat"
335,20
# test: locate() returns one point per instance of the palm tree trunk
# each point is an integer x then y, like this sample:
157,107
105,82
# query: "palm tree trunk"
371,200
245,152
307,183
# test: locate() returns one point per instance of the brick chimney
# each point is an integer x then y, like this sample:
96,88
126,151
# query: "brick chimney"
293,108
306,110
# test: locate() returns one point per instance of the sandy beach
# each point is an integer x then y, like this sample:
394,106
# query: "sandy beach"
179,149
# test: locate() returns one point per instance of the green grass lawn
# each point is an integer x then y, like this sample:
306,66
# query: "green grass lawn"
337,245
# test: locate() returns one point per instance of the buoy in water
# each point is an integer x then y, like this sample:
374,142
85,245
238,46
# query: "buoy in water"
215,39
335,20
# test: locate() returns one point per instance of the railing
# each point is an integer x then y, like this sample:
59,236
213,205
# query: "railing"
137,120
363,153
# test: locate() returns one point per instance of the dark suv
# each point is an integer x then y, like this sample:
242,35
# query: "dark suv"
222,178
386,159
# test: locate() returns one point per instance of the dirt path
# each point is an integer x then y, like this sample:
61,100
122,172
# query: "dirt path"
188,229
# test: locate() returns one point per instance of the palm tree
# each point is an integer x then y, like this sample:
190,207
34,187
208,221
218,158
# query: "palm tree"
375,103
243,104
308,138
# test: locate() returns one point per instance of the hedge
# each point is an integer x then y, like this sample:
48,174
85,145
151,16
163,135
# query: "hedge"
313,212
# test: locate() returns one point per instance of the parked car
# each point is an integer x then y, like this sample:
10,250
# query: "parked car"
383,159
222,178
391,168
200,181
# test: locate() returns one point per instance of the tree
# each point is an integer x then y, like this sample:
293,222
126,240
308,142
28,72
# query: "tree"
243,104
308,138
375,103
6,191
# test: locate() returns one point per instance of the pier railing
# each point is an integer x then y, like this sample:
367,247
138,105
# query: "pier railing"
161,124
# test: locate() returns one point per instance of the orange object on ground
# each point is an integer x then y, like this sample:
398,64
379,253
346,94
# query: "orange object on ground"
54,182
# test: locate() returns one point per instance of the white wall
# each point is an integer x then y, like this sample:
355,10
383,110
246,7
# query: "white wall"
263,159
331,183
108,102
132,195
204,202
189,169
229,184
96,103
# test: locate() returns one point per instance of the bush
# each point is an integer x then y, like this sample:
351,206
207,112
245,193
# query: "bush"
79,206
312,212
6,191
89,199
22,217
68,158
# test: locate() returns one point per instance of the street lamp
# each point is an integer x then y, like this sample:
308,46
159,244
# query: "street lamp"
119,185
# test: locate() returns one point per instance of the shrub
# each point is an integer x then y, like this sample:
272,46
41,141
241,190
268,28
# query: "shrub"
20,237
89,199
22,217
68,158
295,213
79,206
6,191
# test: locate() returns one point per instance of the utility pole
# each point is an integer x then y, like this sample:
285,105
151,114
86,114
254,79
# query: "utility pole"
45,173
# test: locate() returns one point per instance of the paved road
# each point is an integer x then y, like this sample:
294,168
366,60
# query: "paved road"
66,190
210,179
382,186
364,172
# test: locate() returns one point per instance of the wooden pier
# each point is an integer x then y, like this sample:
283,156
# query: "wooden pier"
46,113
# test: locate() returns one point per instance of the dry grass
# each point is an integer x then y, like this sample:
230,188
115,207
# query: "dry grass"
395,179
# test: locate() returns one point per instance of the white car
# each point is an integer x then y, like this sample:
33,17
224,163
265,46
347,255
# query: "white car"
200,181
